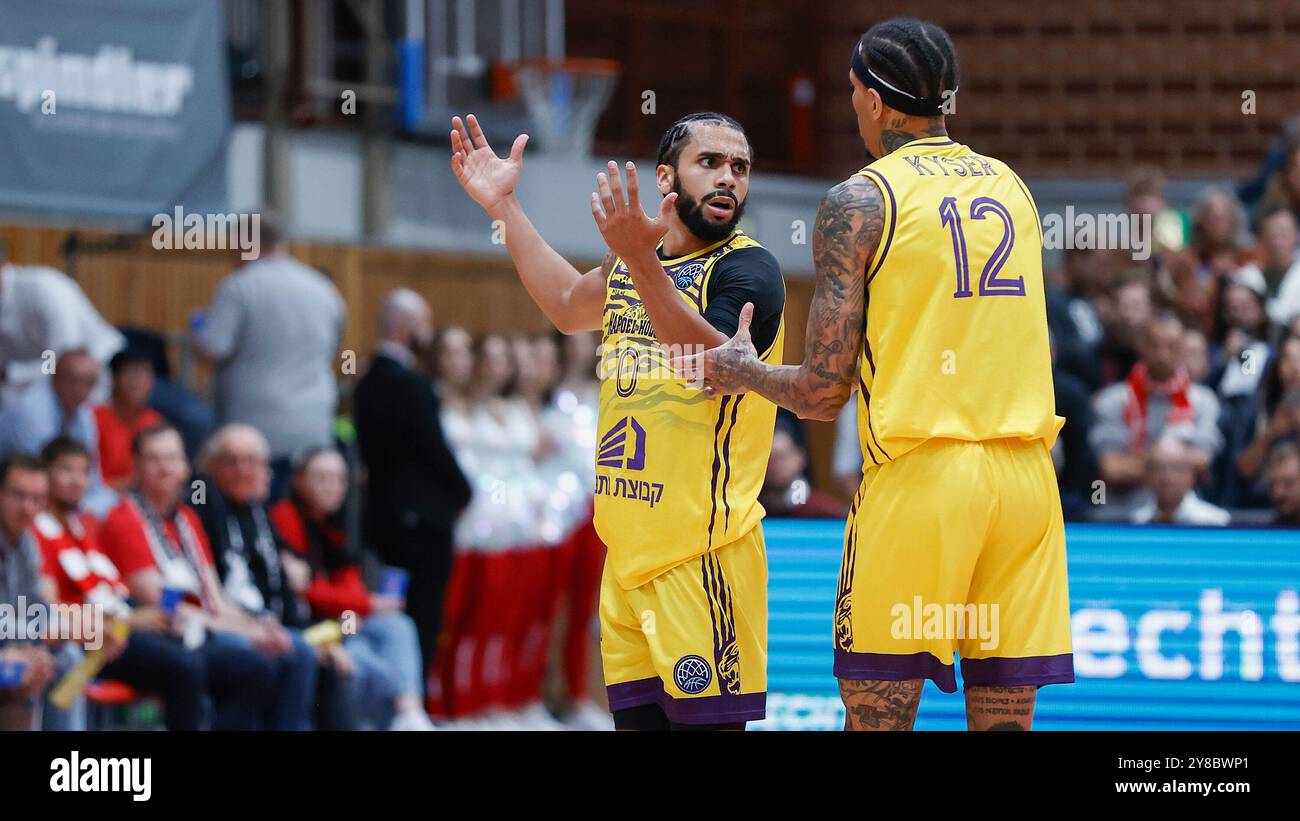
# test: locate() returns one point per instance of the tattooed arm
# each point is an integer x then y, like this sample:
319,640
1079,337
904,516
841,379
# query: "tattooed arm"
848,230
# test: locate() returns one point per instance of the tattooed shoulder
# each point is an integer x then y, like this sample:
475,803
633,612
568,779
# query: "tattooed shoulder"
851,219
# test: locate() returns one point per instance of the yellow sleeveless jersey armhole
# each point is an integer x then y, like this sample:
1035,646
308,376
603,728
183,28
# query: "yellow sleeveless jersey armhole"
779,339
1038,220
890,206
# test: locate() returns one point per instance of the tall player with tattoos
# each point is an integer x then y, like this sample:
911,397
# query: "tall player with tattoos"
683,600
930,295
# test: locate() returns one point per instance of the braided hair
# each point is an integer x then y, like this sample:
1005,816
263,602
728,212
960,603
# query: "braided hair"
913,55
679,134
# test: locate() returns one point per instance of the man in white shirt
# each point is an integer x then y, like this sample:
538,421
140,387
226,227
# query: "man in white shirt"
1171,474
273,330
41,310
1156,398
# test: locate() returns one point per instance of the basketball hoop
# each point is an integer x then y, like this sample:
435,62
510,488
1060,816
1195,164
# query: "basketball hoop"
565,98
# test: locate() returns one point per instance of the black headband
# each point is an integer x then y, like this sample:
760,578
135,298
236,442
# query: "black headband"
894,97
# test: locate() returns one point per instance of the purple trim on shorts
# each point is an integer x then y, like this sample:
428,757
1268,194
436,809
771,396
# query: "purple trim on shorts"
634,693
1018,672
895,667
699,710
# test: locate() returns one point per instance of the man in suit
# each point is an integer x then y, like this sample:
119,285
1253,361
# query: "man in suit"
415,490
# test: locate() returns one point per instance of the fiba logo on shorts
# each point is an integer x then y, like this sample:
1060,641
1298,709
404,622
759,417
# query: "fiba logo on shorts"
686,275
692,674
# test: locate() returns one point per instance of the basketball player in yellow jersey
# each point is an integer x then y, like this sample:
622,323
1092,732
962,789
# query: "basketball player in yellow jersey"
930,295
683,608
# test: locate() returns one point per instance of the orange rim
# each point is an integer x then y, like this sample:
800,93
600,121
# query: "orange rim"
575,65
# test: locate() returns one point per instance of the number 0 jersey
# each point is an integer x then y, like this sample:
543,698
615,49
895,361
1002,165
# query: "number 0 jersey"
677,473
956,344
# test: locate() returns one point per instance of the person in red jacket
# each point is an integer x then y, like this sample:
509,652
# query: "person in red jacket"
382,646
153,657
125,414
158,544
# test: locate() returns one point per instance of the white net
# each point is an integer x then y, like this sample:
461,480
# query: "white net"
565,101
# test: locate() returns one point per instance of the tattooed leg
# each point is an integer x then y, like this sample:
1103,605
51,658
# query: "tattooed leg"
880,705
1000,708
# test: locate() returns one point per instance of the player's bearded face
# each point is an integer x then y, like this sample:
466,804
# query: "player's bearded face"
703,223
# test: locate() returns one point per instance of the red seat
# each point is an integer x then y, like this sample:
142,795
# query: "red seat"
108,691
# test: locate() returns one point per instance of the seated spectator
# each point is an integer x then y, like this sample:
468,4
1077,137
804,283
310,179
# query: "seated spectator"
258,574
1146,197
1217,249
786,492
1279,418
1072,316
1284,484
1157,397
23,489
59,406
1279,265
1196,355
125,414
385,650
152,659
176,403
1125,321
157,543
1240,334
1283,187
1171,475
1240,354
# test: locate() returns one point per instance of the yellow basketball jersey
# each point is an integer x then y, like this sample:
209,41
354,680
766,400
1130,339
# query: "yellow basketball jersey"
956,343
677,473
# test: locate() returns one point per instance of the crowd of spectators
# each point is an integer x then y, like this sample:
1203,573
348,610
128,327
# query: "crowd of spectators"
234,588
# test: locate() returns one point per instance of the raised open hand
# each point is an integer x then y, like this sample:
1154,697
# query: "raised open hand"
622,223
487,178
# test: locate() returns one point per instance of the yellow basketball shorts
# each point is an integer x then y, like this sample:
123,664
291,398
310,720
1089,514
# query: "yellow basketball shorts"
956,546
693,639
